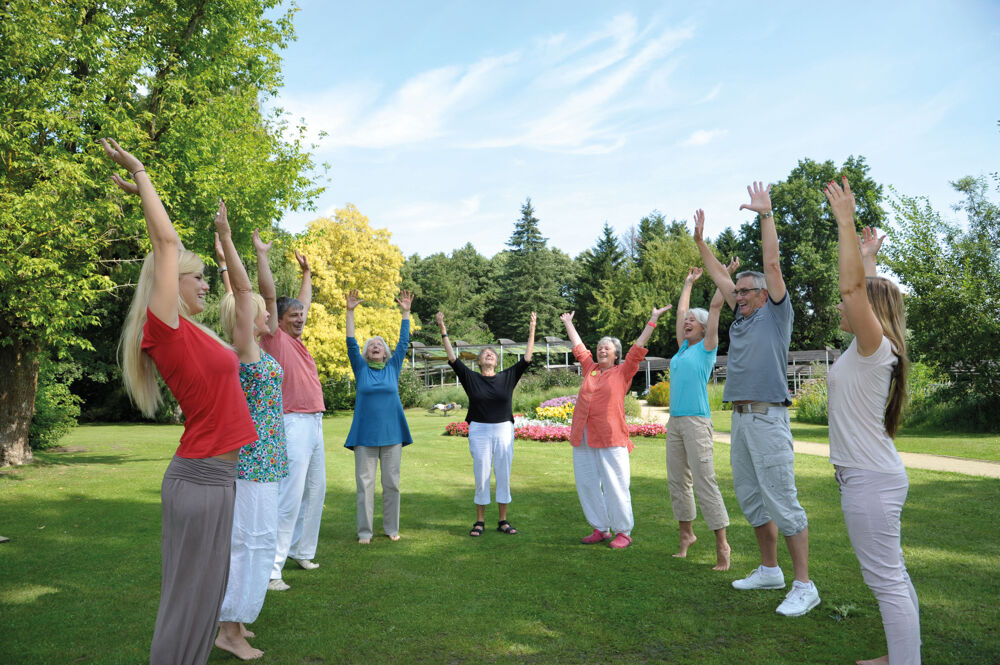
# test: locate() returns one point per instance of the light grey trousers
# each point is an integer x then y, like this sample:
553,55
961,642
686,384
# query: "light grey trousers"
872,503
366,461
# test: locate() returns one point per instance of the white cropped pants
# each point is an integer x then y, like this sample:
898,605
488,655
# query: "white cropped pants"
492,449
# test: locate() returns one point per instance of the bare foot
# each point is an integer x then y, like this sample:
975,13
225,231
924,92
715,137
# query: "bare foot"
246,632
393,538
364,541
237,646
884,660
687,540
721,558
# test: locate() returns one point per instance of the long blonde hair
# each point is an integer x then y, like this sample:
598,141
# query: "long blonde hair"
887,303
138,370
227,312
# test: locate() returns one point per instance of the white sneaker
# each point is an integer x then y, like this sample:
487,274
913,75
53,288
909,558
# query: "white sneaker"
799,600
277,585
306,564
761,579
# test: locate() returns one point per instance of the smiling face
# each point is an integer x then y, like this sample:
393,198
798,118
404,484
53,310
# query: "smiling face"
694,332
487,360
376,352
605,354
192,289
293,321
752,300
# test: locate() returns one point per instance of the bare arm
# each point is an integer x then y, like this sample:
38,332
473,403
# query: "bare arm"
405,300
353,300
760,203
265,281
444,338
858,310
715,311
306,290
870,243
567,319
715,269
166,243
684,302
220,257
647,330
530,348
244,339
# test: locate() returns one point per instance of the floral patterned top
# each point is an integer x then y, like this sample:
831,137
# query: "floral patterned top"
264,460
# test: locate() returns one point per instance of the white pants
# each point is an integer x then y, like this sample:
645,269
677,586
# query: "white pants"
602,482
302,491
872,503
366,461
492,448
255,526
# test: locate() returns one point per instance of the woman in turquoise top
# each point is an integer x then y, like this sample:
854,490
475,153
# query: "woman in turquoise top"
379,430
689,430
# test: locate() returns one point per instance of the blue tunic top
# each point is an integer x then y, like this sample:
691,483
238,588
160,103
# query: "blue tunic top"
378,413
690,369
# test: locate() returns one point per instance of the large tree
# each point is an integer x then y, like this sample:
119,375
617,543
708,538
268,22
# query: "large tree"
181,85
808,237
597,268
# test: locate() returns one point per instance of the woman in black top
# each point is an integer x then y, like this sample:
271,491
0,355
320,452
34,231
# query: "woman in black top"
491,423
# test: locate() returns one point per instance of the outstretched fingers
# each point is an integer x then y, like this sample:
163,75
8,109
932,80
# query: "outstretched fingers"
699,224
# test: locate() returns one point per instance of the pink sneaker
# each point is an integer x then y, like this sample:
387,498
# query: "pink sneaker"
597,537
620,542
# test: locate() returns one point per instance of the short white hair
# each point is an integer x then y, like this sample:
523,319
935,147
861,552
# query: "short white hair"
615,342
700,315
368,344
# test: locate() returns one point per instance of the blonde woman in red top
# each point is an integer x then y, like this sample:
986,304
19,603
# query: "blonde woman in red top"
199,487
600,435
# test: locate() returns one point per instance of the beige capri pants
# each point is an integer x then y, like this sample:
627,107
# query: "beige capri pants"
690,467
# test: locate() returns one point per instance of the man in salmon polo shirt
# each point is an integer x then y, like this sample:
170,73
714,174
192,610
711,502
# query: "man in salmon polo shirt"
301,493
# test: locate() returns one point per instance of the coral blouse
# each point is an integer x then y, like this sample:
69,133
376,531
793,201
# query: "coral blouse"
600,405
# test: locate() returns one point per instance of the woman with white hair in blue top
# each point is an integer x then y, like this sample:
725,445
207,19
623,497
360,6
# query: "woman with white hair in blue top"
690,467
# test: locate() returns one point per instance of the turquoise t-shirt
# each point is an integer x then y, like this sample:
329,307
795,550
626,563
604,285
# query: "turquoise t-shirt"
690,370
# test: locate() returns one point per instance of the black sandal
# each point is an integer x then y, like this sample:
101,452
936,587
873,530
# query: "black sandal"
503,526
477,529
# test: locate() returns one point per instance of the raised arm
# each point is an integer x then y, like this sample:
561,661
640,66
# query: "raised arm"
760,203
353,300
265,281
857,309
405,300
567,319
715,311
647,330
220,258
715,269
869,242
244,339
162,235
530,348
684,302
306,290
444,338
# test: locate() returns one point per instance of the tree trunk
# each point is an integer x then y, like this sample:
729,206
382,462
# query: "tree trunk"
19,366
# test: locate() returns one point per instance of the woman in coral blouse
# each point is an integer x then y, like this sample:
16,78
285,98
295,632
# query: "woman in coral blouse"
600,434
202,372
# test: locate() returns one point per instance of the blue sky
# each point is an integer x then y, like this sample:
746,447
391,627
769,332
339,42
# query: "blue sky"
440,118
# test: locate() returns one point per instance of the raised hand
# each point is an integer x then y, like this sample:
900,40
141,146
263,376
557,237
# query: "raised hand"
220,254
658,312
841,201
121,157
405,299
534,320
303,261
693,274
567,317
440,319
222,219
734,265
699,225
353,300
760,198
870,242
259,245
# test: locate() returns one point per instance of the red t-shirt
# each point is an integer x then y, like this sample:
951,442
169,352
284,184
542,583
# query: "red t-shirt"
204,378
301,391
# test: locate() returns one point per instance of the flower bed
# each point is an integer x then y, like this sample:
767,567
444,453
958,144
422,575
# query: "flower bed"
534,431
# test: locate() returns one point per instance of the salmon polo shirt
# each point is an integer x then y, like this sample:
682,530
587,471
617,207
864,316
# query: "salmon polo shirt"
301,391
600,405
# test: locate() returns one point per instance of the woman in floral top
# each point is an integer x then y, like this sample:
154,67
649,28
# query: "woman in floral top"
261,464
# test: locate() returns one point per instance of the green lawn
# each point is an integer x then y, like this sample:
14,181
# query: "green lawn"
80,577
973,445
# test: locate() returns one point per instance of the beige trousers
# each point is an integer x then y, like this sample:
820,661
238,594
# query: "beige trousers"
690,466
366,461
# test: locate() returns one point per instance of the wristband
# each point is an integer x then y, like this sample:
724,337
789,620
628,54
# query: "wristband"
223,269
444,334
139,171
651,324
765,215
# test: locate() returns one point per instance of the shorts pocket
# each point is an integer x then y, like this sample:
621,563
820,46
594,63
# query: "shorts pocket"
779,472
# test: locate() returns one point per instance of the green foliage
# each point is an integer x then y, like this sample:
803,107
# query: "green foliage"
715,403
659,394
632,407
410,388
445,394
810,400
339,393
56,408
596,268
807,233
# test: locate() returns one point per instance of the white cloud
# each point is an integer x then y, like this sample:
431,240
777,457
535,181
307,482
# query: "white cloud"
423,216
703,136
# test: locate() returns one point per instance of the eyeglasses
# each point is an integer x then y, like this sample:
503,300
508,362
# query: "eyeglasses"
743,292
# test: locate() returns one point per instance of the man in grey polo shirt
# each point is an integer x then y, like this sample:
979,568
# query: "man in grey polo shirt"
761,442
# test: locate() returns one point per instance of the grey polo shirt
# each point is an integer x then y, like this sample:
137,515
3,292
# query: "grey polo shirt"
758,354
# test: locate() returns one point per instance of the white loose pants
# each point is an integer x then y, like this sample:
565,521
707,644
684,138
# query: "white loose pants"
872,503
602,477
492,449
301,493
255,537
